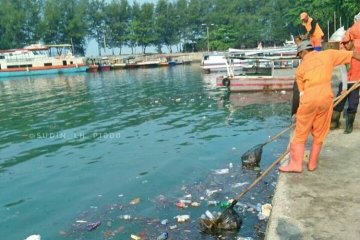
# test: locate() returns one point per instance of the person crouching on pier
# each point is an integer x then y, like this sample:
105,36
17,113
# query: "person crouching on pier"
313,77
351,41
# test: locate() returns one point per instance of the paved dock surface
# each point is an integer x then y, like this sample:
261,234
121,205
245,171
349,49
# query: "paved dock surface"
324,204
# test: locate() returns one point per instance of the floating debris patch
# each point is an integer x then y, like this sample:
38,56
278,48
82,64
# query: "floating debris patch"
216,223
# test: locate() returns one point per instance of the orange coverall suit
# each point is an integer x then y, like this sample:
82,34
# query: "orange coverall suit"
316,34
354,33
313,77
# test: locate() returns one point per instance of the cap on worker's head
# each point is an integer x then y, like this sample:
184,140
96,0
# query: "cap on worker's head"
303,15
304,45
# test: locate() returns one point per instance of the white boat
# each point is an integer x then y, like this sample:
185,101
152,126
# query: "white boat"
217,62
39,59
148,64
273,79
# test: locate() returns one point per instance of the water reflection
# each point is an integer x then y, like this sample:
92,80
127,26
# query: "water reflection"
66,140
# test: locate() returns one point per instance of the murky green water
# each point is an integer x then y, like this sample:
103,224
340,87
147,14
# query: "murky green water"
81,147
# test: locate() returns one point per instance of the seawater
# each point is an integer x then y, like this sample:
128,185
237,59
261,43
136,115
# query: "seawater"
78,148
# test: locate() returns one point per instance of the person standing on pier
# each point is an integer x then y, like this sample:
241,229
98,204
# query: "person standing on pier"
313,77
350,41
313,30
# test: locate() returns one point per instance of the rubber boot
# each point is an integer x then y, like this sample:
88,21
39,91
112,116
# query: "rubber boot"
350,117
314,156
335,120
296,158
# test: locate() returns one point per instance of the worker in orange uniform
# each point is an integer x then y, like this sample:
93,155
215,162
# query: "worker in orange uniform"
313,30
350,41
313,77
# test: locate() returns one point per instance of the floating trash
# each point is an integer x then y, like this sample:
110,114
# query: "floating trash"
135,201
125,217
163,236
173,227
225,205
195,204
33,237
187,196
92,226
182,218
164,222
81,221
215,223
236,185
213,203
265,211
222,171
135,237
185,201
209,215
181,205
211,192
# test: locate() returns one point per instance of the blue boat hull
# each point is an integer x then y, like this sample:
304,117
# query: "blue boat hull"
6,74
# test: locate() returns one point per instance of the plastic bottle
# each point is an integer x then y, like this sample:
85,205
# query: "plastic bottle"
209,215
163,236
213,203
224,205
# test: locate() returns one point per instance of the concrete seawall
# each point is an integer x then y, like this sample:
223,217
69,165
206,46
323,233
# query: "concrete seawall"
193,56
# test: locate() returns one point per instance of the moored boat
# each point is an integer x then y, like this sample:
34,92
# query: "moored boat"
148,64
104,64
92,68
116,66
243,83
217,62
270,79
40,59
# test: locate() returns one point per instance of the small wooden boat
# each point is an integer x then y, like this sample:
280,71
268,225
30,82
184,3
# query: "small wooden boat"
116,66
148,64
92,68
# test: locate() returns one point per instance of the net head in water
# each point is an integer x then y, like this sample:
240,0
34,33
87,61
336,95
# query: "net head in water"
252,157
229,221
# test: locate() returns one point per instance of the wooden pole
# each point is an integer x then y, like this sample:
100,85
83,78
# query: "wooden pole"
334,22
340,21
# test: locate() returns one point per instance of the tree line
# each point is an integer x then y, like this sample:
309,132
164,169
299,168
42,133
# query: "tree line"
187,25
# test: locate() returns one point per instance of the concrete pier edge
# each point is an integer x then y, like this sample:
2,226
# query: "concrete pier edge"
323,204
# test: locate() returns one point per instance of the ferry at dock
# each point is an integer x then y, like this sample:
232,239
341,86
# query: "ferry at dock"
38,59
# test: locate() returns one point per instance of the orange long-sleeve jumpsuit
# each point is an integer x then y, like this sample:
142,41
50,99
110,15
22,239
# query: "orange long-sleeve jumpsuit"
354,34
316,37
353,76
313,77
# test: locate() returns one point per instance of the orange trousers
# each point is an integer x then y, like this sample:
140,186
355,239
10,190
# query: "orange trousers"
314,114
